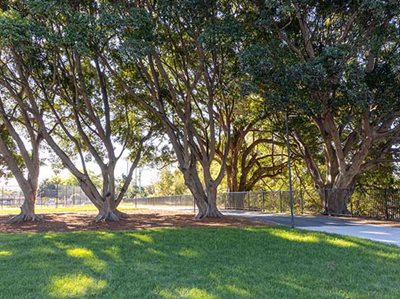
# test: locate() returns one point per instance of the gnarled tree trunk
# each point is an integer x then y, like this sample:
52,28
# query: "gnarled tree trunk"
206,200
28,184
336,201
207,208
27,209
108,212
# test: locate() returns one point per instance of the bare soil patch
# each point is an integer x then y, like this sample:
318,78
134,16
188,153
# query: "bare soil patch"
136,220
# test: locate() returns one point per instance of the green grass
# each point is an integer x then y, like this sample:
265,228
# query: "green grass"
260,262
61,209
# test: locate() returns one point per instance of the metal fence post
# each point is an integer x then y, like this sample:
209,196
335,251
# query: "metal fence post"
326,200
57,197
226,199
263,200
351,204
386,204
301,202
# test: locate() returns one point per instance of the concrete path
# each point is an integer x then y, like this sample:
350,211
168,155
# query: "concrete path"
385,233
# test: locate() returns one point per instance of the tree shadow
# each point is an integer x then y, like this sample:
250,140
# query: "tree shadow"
254,262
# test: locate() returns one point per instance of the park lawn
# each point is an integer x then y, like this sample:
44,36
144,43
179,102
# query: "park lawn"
255,262
62,209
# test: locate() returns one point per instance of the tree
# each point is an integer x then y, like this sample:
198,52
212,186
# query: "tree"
255,151
185,55
20,138
335,65
65,86
170,183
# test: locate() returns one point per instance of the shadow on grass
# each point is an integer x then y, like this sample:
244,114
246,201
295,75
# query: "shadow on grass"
260,262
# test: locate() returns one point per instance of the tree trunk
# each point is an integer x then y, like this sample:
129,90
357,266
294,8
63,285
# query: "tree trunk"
27,210
209,209
108,210
206,201
336,201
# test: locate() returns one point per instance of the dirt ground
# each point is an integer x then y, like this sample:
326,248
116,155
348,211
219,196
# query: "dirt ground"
136,220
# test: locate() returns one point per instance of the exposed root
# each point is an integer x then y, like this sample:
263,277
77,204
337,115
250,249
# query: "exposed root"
213,213
108,216
23,217
120,214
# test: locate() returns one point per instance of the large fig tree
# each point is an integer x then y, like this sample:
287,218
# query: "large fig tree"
65,86
185,55
335,66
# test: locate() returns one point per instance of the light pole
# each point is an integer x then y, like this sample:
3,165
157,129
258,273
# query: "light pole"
289,171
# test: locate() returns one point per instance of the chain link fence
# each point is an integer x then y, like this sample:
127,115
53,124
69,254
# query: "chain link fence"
267,201
59,196
380,203
365,202
172,201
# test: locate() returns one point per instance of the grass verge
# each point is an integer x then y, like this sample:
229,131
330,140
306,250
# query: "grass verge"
257,262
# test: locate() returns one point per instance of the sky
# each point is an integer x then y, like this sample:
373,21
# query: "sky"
147,175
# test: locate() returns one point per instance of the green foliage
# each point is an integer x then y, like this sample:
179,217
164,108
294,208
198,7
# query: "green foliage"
4,171
170,183
70,180
255,53
290,80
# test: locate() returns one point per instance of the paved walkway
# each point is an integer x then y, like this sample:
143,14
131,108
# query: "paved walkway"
385,233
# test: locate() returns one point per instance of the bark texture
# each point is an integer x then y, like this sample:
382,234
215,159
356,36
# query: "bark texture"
27,212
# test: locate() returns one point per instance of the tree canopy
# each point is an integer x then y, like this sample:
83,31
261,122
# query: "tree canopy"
203,84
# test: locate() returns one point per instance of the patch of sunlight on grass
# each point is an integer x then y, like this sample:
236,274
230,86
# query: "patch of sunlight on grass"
80,252
75,285
156,252
60,245
295,236
234,290
50,235
88,258
143,238
341,243
188,252
5,253
105,235
193,293
290,283
113,252
388,255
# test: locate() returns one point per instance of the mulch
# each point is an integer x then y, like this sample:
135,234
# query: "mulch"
136,220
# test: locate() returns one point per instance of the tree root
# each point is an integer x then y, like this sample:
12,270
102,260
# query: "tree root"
122,215
23,217
108,216
214,213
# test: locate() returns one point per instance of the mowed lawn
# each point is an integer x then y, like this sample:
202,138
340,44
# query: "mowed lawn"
256,262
